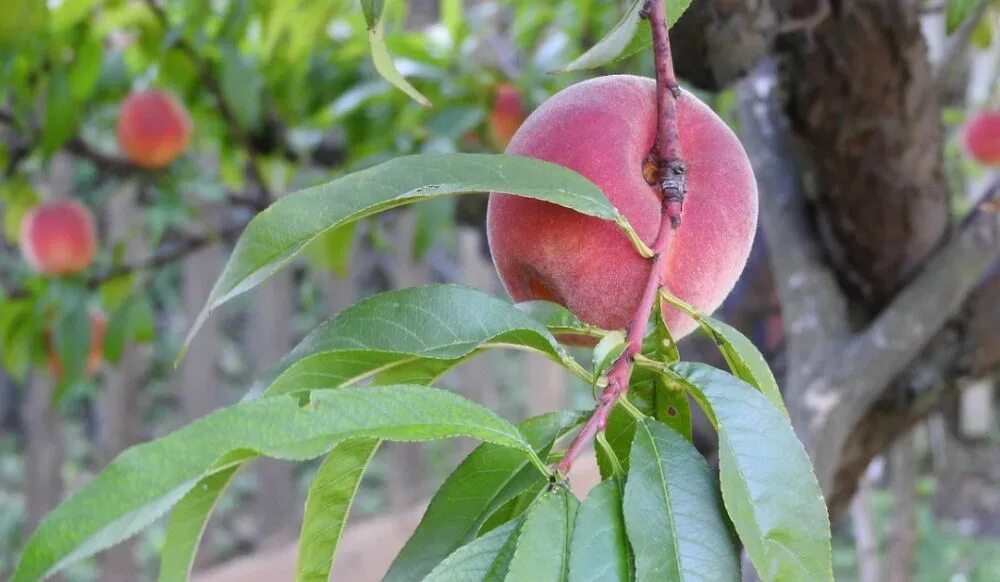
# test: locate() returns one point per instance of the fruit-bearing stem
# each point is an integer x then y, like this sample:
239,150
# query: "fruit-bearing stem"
667,152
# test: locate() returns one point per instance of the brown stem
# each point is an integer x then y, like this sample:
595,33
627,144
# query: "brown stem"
672,169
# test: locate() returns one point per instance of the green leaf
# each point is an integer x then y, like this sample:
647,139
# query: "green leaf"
18,199
146,480
768,484
744,359
372,10
61,113
672,511
187,525
242,85
599,551
673,408
620,42
558,319
542,551
385,67
18,336
484,559
410,335
86,69
327,504
956,11
332,249
276,235
607,351
486,480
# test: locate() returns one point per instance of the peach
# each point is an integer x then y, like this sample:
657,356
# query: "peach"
59,237
981,138
604,129
95,356
153,129
507,115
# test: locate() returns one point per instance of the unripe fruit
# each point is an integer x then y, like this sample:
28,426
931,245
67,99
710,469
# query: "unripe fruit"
604,129
95,356
59,237
507,116
981,138
153,129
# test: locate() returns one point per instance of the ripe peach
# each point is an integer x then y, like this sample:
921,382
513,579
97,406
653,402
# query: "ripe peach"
59,237
981,138
604,129
153,129
507,115
98,328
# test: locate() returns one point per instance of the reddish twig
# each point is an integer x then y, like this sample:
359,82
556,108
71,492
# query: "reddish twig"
673,183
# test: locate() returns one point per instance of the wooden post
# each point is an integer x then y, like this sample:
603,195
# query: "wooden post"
118,405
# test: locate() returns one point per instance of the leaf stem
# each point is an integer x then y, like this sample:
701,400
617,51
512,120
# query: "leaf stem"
672,178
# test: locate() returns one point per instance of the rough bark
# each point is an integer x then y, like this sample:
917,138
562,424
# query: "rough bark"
838,374
860,98
903,528
44,450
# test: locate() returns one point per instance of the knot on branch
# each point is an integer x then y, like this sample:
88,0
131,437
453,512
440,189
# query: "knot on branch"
646,10
673,184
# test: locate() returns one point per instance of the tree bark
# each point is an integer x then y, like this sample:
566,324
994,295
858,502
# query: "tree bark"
903,528
44,450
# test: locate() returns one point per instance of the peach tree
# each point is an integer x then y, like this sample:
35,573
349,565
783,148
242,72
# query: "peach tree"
621,216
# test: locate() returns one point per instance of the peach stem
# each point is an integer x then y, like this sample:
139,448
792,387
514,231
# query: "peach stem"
673,184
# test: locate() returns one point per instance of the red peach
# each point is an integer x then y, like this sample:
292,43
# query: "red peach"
981,138
604,129
98,328
59,237
153,129
507,115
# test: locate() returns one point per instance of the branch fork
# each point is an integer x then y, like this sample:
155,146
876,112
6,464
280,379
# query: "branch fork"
672,179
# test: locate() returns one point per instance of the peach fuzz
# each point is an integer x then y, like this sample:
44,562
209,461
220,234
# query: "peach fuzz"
604,129
153,129
981,138
507,116
59,237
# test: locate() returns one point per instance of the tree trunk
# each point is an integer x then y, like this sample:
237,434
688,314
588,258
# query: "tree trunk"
120,417
903,529
44,450
866,538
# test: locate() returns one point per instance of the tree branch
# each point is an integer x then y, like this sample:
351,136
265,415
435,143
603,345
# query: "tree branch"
813,307
669,161
954,55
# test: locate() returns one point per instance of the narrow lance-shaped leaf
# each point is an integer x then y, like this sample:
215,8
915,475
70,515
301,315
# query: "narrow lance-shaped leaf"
387,68
673,513
542,550
408,335
187,525
330,496
146,480
485,559
599,551
744,359
768,484
488,478
276,235
618,43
